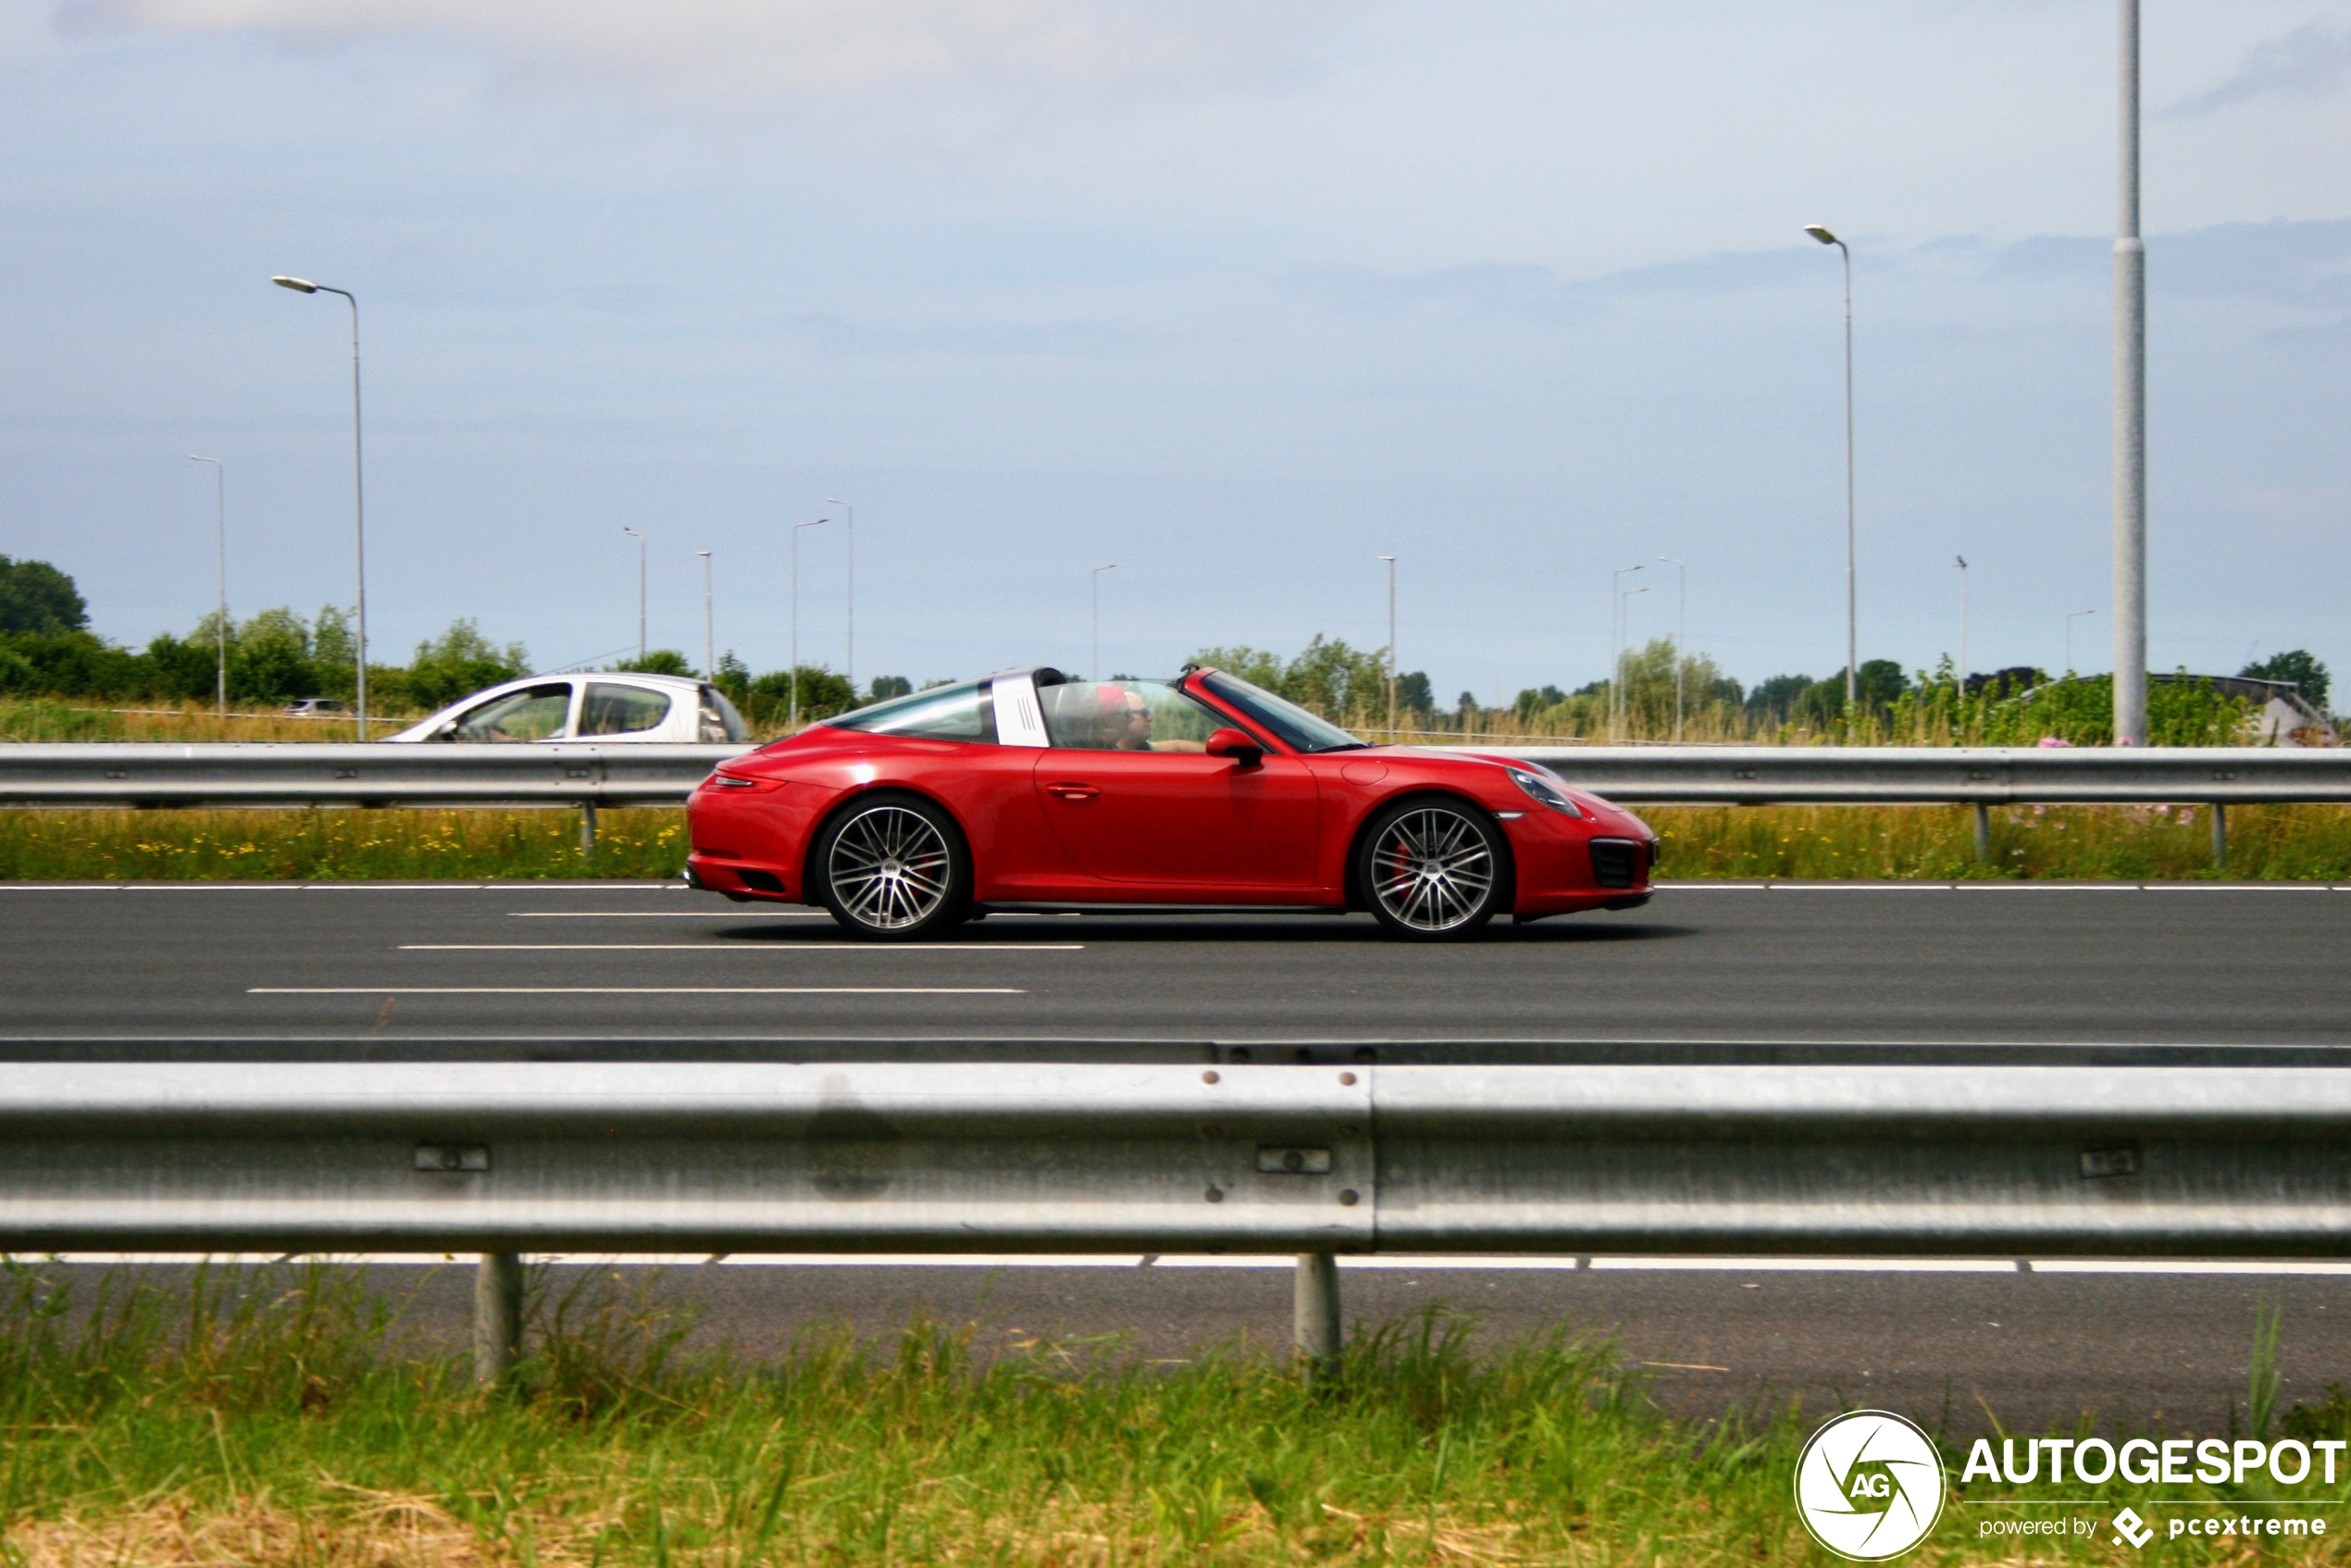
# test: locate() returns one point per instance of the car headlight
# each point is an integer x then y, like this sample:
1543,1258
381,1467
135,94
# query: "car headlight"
1543,791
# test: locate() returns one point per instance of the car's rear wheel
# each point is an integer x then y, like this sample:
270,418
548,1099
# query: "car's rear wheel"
893,868
1433,870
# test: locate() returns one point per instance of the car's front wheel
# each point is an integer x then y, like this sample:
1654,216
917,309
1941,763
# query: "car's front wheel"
1433,870
893,868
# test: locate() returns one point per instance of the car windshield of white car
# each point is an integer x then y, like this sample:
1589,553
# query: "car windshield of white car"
1126,715
1296,729
621,710
535,713
944,713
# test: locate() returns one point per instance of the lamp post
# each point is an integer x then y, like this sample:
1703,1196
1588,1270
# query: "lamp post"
359,484
709,627
640,591
1616,643
2129,407
1852,637
850,663
2069,637
820,522
1391,644
1681,626
1094,584
220,523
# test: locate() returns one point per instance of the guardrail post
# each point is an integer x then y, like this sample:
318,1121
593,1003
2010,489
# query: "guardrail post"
1982,834
497,1316
2219,835
1315,1315
586,827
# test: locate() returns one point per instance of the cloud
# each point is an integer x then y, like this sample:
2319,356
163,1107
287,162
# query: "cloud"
2312,61
789,46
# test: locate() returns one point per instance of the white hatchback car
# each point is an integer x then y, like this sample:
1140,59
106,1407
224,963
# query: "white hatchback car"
587,707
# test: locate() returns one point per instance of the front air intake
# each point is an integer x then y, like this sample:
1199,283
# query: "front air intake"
1616,863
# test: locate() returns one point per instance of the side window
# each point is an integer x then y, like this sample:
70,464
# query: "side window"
621,710
1126,715
945,713
535,713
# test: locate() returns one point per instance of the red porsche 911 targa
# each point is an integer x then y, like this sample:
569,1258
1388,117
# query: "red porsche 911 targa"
1032,790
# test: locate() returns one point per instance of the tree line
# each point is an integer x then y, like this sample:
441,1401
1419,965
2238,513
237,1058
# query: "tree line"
47,649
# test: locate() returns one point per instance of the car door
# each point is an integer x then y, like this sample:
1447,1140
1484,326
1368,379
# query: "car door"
535,711
614,710
1129,792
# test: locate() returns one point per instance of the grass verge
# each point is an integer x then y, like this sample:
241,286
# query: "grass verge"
329,846
2131,844
274,1415
2285,843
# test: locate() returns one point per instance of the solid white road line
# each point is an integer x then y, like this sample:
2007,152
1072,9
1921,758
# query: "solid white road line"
668,914
740,947
633,990
1449,1262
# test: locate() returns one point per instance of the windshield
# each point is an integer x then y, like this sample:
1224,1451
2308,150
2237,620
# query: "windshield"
1292,725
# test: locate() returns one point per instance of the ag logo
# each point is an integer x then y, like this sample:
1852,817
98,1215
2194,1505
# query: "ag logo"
1869,1485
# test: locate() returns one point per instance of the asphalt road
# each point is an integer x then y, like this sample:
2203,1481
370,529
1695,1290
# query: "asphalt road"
1709,973
1739,972
1961,1351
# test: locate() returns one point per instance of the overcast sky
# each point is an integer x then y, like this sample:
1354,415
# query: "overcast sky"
1239,294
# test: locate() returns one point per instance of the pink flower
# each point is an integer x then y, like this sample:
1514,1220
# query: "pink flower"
2052,741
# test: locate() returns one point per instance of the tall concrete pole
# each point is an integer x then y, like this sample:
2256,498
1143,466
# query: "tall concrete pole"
2130,413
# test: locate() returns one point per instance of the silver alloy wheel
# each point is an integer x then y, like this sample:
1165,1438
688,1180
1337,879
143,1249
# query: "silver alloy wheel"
1432,869
889,867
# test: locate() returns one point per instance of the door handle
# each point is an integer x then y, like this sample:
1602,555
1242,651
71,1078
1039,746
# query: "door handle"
1072,791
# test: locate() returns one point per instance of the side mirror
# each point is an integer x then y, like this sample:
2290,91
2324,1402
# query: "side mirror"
1235,744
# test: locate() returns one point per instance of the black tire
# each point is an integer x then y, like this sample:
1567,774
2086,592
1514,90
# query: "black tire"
892,867
1434,869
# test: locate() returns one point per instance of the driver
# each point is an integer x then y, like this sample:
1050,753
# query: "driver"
1125,717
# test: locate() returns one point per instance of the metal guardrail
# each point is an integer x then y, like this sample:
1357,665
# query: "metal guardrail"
1964,774
588,774
263,773
1321,1160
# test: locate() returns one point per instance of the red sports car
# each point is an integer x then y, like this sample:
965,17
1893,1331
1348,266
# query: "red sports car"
1033,790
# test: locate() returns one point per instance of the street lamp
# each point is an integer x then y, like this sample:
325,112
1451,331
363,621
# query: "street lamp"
1616,643
220,521
1391,644
1681,625
640,591
852,512
358,481
820,522
709,627
2069,637
1094,582
1962,563
1852,655
2130,408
